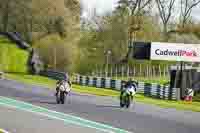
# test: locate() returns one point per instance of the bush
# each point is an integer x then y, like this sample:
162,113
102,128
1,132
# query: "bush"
197,97
57,53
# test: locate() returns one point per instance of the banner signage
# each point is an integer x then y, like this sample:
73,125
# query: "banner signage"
175,52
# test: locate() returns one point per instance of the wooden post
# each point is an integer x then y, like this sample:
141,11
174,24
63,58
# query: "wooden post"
128,71
122,71
160,71
96,72
101,72
54,52
116,72
154,75
111,72
140,70
147,70
164,73
168,71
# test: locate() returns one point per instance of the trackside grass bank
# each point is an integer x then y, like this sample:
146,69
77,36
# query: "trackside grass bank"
159,80
12,58
44,81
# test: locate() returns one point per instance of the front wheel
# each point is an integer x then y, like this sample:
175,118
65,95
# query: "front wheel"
62,97
121,104
128,101
122,101
58,98
57,101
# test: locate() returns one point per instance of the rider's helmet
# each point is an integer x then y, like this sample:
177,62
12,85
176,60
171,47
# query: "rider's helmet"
128,83
66,77
130,79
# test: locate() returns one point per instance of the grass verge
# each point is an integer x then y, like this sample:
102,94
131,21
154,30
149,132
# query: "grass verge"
12,58
179,105
50,83
159,80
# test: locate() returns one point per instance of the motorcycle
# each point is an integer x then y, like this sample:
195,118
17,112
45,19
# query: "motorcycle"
60,97
62,90
127,97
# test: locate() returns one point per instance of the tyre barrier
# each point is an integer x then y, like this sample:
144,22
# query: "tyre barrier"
148,89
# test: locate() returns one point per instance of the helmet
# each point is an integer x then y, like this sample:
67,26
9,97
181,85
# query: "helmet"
66,77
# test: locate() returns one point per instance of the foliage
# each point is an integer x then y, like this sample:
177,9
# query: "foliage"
184,38
36,19
57,53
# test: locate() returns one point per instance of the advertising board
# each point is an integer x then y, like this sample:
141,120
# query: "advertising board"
175,52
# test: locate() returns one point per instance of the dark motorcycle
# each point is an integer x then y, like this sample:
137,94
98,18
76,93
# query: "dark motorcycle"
125,99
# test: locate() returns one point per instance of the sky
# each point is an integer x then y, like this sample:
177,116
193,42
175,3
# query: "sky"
103,6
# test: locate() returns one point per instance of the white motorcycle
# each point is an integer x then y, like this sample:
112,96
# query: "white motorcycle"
64,89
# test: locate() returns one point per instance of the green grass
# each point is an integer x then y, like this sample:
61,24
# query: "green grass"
12,58
179,105
159,80
44,81
32,79
197,97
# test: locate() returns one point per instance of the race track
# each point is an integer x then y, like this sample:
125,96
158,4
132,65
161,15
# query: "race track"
16,121
141,118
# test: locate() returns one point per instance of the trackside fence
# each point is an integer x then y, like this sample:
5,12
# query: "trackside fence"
151,90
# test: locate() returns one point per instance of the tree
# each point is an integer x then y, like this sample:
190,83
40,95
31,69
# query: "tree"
56,27
135,9
133,6
50,17
186,10
37,19
188,38
165,8
57,53
13,13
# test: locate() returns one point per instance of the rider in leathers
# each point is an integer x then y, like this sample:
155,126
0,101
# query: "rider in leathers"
62,82
125,86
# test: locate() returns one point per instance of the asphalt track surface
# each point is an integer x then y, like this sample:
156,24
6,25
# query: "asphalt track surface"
140,118
15,121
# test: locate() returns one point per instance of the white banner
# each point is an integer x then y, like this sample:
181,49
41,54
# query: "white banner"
175,52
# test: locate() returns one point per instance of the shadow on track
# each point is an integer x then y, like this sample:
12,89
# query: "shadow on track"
107,106
42,102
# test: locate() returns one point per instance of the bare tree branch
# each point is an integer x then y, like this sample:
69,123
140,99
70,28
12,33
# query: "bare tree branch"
186,9
134,6
165,8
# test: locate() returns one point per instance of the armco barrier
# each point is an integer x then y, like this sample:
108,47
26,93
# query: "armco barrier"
151,90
